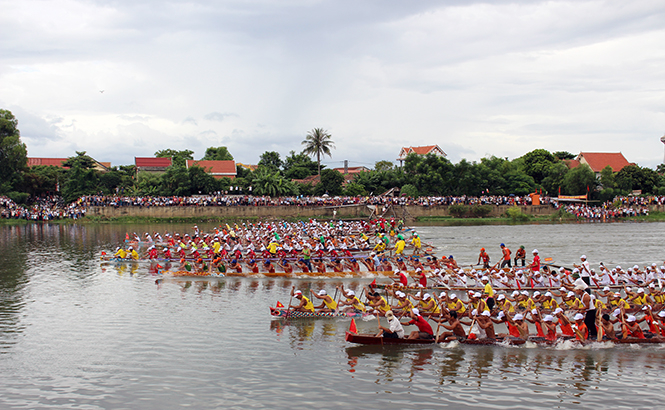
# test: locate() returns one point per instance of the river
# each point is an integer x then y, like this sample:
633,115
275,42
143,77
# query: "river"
75,334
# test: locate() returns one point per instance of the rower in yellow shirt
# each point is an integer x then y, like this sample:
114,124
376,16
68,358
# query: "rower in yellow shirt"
328,304
272,247
132,253
415,240
305,304
120,253
399,246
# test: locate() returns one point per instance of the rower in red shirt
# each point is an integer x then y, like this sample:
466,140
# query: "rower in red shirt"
424,329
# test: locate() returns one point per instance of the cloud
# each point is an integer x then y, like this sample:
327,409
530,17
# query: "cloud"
218,116
475,77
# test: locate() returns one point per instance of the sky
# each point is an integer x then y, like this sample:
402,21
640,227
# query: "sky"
476,78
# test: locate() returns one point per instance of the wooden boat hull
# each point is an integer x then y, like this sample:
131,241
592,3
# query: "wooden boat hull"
285,313
367,339
345,274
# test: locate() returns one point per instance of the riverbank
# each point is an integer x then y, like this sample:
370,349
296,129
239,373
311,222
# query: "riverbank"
446,220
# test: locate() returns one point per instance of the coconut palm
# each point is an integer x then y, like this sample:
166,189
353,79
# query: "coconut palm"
318,142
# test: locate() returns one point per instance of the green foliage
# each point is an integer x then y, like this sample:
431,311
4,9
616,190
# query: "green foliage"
634,177
82,179
660,169
383,166
18,197
354,189
217,154
331,183
200,182
481,211
563,155
607,177
41,179
606,194
554,176
516,214
147,183
457,210
519,184
317,143
272,184
301,161
270,160
305,189
179,158
578,179
13,153
242,172
536,163
175,181
431,174
409,190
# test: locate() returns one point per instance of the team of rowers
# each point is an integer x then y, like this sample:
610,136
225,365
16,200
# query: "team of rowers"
574,311
290,247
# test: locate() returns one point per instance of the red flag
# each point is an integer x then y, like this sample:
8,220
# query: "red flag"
559,191
104,254
373,284
279,304
126,235
353,328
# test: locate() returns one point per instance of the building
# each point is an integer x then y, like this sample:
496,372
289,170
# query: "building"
424,150
599,160
351,170
248,166
218,169
57,162
151,164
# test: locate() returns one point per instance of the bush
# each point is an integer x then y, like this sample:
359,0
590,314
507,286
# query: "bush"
457,210
354,189
481,211
516,214
18,197
410,191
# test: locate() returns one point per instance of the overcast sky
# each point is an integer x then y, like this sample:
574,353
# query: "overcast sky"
477,78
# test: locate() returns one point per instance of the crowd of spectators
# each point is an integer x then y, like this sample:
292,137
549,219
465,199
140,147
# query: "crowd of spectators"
53,207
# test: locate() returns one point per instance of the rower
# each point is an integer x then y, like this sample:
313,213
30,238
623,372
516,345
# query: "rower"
520,255
394,330
424,329
631,329
564,323
550,326
485,258
520,324
378,303
132,253
252,265
404,305
457,331
488,292
120,253
580,328
305,304
535,265
417,245
428,305
328,305
486,325
352,303
401,278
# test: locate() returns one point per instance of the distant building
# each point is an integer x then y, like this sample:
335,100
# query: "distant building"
424,150
599,160
248,166
218,169
351,170
152,164
57,162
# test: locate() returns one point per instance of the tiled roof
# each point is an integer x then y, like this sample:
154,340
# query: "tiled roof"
56,162
423,150
215,168
352,170
152,162
599,160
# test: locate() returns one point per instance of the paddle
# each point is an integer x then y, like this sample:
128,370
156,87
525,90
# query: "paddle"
288,310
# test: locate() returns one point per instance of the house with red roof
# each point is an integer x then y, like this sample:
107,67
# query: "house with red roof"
218,169
599,160
423,150
58,162
152,164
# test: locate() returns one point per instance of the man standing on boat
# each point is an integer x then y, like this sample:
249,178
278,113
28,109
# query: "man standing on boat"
585,270
535,265
520,255
485,258
505,257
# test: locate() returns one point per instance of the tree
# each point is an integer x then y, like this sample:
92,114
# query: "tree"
331,183
563,155
578,180
178,157
13,153
318,142
82,178
354,189
607,177
217,154
271,161
300,161
554,176
201,182
536,163
634,177
175,181
409,190
383,166
41,179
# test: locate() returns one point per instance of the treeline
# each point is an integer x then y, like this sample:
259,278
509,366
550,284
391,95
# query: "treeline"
538,170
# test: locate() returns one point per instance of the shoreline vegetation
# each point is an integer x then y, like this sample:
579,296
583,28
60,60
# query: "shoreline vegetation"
449,220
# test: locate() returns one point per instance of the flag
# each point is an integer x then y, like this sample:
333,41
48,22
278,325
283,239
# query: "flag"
353,328
279,305
373,284
559,191
127,235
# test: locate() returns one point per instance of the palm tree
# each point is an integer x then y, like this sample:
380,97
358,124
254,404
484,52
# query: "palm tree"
318,142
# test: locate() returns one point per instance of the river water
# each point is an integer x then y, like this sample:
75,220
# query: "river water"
78,335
